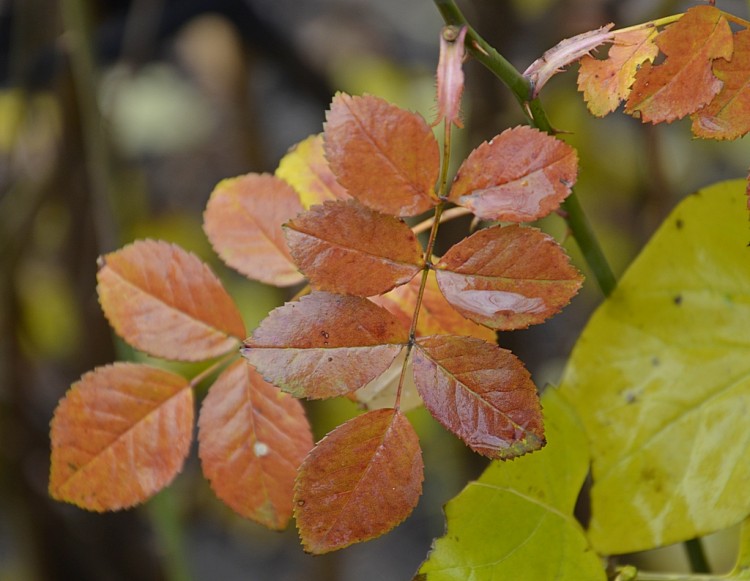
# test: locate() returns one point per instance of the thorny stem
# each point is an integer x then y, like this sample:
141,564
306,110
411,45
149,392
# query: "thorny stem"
521,89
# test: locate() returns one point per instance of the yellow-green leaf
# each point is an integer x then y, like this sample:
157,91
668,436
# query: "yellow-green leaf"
516,521
661,380
306,169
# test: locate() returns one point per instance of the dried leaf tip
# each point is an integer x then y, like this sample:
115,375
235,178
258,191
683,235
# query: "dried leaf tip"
564,53
450,74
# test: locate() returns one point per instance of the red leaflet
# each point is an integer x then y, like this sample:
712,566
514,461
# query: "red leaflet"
359,482
306,169
243,221
252,439
166,302
508,277
345,247
684,82
120,435
728,115
384,156
520,176
481,393
325,344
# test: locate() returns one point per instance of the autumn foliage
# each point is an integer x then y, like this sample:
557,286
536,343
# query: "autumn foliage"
380,313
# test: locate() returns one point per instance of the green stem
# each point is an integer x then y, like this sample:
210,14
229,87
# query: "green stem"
742,567
521,89
697,556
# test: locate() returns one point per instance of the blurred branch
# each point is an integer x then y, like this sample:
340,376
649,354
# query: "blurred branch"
96,147
521,89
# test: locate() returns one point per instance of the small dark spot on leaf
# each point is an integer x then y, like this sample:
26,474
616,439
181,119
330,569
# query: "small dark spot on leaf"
72,466
655,361
330,359
677,300
324,334
300,503
679,223
630,397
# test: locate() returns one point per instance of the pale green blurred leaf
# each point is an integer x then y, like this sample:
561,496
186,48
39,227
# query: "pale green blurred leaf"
516,521
661,381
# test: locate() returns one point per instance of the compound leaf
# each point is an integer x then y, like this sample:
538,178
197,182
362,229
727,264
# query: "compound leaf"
325,344
516,521
120,435
728,115
359,482
436,315
348,248
605,83
684,82
243,221
163,300
481,393
660,378
252,439
508,277
520,176
306,169
384,156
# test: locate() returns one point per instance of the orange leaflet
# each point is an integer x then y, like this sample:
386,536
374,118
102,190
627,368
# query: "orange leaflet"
606,83
359,482
481,393
325,344
348,248
684,82
120,435
728,115
508,277
436,315
166,302
252,439
519,176
306,169
384,156
243,221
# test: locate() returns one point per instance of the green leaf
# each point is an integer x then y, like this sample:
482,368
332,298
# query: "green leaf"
516,521
661,380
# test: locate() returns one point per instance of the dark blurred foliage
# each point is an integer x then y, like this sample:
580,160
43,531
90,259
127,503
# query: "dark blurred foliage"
117,118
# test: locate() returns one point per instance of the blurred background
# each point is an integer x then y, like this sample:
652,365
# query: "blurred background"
117,119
